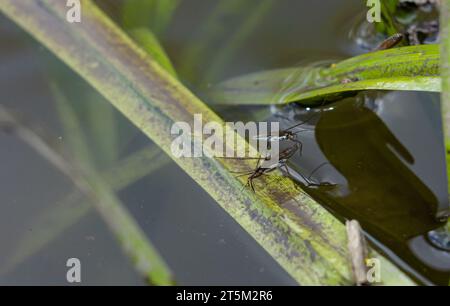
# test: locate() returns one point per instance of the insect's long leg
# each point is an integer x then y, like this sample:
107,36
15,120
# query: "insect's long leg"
270,138
317,168
301,123
300,131
300,146
244,186
307,120
242,173
308,182
286,168
289,152
253,186
251,173
258,163
250,183
241,158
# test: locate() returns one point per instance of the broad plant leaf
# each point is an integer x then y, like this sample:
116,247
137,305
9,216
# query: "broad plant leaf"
413,68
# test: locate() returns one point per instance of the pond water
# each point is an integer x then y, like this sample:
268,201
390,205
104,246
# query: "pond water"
376,151
395,147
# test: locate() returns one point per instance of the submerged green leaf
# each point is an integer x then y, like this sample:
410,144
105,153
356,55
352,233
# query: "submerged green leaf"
103,126
210,35
52,223
148,41
225,54
133,241
154,14
406,68
388,11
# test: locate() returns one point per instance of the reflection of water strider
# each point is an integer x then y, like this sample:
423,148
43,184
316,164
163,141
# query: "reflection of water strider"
375,185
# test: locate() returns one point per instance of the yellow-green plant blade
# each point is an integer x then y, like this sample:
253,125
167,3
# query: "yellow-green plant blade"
406,68
305,239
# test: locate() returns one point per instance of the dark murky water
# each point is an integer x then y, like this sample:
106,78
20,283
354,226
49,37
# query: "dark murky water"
376,151
388,164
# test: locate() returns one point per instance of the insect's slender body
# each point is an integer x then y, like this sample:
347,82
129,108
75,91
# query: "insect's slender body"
266,164
287,135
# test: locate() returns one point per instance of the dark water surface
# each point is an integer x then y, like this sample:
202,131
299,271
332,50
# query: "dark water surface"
384,155
394,147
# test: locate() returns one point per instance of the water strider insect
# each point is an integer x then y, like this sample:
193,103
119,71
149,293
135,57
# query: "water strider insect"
288,135
263,165
262,168
285,135
390,42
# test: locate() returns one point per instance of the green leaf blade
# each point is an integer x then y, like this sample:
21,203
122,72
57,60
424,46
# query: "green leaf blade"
408,68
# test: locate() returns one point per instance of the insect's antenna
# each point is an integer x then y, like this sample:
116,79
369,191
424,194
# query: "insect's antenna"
252,158
307,120
301,123
297,132
317,168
